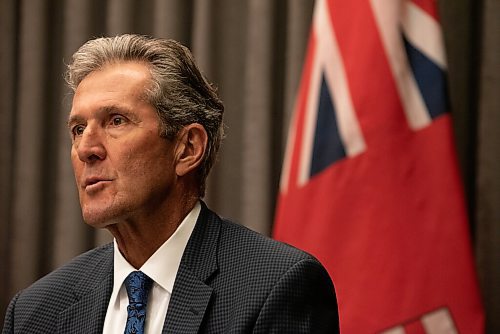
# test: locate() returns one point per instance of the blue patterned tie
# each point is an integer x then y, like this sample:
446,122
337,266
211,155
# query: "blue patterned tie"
138,285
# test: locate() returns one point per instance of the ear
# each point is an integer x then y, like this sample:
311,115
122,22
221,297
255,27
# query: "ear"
191,145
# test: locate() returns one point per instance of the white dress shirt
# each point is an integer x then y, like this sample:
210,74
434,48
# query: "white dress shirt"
162,268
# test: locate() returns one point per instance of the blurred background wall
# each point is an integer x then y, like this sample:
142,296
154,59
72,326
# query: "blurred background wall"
253,51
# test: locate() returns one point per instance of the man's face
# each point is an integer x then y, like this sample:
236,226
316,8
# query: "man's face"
123,168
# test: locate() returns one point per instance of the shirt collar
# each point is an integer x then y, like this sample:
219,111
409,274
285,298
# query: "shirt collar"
163,265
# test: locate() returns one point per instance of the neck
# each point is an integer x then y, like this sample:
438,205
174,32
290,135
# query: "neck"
139,237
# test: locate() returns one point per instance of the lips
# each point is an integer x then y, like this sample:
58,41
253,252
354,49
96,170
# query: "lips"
94,182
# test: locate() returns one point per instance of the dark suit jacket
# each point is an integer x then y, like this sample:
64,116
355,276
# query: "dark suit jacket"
230,280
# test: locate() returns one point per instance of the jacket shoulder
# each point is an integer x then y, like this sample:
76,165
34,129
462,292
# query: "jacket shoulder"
60,288
74,272
238,239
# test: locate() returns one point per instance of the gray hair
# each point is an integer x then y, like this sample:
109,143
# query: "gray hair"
179,92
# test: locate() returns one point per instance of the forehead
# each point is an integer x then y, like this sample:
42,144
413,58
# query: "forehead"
124,82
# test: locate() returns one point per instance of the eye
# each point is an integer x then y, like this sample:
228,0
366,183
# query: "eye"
77,130
117,120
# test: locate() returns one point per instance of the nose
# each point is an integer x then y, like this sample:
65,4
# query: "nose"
90,146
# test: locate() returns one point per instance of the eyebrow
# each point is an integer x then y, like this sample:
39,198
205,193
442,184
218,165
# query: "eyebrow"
74,119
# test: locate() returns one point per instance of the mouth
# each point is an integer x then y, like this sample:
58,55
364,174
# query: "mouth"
92,184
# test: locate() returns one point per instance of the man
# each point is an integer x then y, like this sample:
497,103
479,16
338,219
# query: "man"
146,127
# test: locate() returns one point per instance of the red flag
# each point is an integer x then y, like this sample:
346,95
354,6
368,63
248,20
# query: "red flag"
370,183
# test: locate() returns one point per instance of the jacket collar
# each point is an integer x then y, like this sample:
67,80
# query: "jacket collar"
191,295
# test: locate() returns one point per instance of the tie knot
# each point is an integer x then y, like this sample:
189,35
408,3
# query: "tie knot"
138,285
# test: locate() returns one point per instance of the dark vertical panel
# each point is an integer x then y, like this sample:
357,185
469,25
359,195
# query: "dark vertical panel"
9,29
459,19
276,127
27,153
297,33
223,60
488,168
471,34
50,135
174,19
143,12
120,17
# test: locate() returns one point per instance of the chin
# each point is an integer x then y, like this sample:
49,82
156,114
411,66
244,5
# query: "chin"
96,222
98,218
102,212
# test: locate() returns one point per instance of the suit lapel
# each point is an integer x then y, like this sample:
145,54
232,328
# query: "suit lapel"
191,295
187,309
87,314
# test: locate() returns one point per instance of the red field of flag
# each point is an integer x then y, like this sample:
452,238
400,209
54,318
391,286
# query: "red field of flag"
370,183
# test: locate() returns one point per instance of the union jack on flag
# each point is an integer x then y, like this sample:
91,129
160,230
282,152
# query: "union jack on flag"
370,183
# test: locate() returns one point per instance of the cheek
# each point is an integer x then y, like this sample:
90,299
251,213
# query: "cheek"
149,160
153,164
